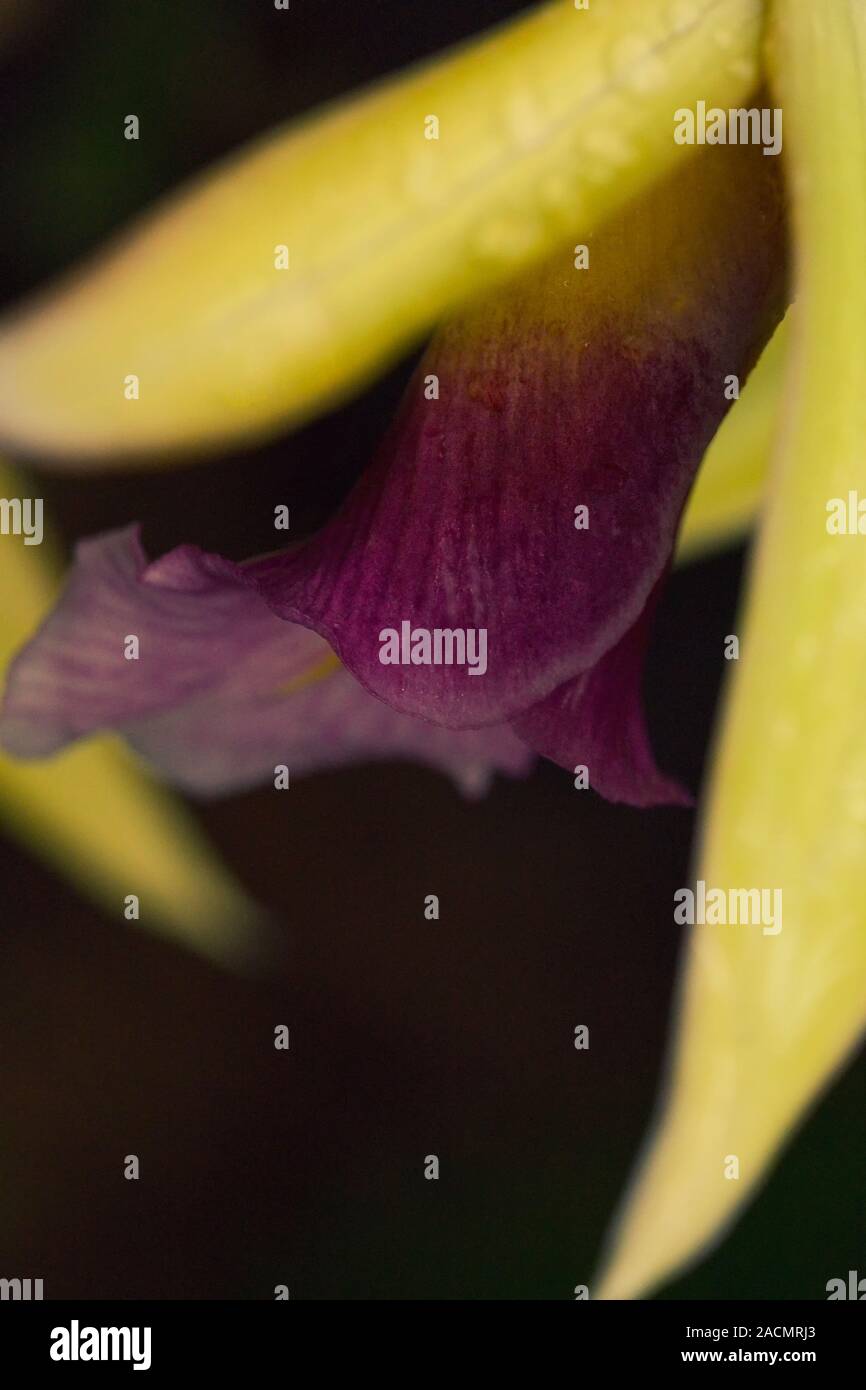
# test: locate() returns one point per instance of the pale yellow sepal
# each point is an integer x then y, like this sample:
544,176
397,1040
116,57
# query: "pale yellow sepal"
732,478
99,819
193,333
767,1019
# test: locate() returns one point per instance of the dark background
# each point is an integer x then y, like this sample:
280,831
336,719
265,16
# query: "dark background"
408,1037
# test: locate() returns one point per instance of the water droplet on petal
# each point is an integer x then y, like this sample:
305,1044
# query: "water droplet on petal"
636,65
422,182
524,119
684,13
609,147
555,190
508,238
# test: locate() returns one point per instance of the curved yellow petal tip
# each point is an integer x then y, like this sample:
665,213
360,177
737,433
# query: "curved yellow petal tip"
771,1010
732,478
94,815
300,267
101,822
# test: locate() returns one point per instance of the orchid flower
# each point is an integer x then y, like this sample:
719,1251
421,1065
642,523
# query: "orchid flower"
598,291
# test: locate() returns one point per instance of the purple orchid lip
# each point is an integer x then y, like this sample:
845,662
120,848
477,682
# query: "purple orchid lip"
222,691
596,389
505,550
597,722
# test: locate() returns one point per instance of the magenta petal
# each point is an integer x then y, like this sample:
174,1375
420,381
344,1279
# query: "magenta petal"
597,388
224,742
596,721
222,691
75,677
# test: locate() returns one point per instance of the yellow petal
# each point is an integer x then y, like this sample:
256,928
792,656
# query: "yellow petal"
545,126
767,1019
95,816
730,484
92,814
